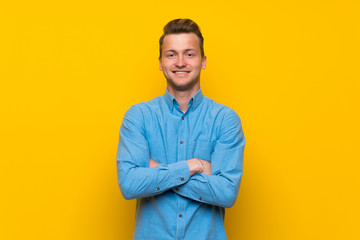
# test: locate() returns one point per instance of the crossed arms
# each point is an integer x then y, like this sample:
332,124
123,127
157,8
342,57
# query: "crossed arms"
196,165
215,183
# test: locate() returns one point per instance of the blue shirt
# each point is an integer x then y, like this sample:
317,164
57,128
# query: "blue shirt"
170,203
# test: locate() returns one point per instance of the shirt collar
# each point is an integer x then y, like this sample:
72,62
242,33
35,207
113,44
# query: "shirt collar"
195,100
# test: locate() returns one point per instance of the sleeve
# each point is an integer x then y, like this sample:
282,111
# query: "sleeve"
222,186
136,179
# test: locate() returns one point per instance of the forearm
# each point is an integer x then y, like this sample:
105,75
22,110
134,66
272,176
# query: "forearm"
195,165
136,182
221,187
139,182
211,189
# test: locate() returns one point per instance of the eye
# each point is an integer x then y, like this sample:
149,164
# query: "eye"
190,54
170,55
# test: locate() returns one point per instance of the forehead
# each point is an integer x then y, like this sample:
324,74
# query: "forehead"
181,41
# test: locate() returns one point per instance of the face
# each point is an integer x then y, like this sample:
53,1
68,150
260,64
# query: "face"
181,61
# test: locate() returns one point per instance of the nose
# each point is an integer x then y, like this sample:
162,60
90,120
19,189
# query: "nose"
180,63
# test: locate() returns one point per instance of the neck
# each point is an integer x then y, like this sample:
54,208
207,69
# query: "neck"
183,97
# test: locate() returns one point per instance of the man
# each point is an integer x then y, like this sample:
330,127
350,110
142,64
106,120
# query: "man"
180,155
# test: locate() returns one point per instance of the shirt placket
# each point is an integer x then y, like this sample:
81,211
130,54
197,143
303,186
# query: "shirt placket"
182,153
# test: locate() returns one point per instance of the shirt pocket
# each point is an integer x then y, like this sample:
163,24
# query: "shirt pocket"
202,150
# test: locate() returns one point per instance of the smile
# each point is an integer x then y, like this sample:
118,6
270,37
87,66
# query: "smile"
180,72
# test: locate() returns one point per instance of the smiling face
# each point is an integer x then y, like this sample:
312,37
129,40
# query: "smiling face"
181,62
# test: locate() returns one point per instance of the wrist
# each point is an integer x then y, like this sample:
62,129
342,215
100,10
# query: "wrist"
202,167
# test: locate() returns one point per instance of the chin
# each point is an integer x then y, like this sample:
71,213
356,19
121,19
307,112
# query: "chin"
182,87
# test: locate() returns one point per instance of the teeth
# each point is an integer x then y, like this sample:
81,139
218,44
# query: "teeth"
181,72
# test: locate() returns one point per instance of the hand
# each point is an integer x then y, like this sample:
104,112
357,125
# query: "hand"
199,166
153,163
195,166
206,167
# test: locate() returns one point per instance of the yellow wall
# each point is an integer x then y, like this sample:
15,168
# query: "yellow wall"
69,71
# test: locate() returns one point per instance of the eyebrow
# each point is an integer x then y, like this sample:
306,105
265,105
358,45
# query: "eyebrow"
186,50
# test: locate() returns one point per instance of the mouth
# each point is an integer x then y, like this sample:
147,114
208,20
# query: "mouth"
180,73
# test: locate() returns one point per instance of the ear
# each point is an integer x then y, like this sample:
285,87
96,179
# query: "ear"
203,65
160,65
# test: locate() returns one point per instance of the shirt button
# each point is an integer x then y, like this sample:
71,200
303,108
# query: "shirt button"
182,179
177,189
180,215
157,188
200,198
181,142
182,118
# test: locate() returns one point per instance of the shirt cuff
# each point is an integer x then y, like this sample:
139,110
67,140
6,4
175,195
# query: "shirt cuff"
180,172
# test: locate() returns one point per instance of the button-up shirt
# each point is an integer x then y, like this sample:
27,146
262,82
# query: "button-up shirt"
171,204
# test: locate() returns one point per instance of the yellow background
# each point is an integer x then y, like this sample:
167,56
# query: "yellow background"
70,69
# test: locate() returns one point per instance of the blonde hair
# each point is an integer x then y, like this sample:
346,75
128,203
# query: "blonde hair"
182,25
